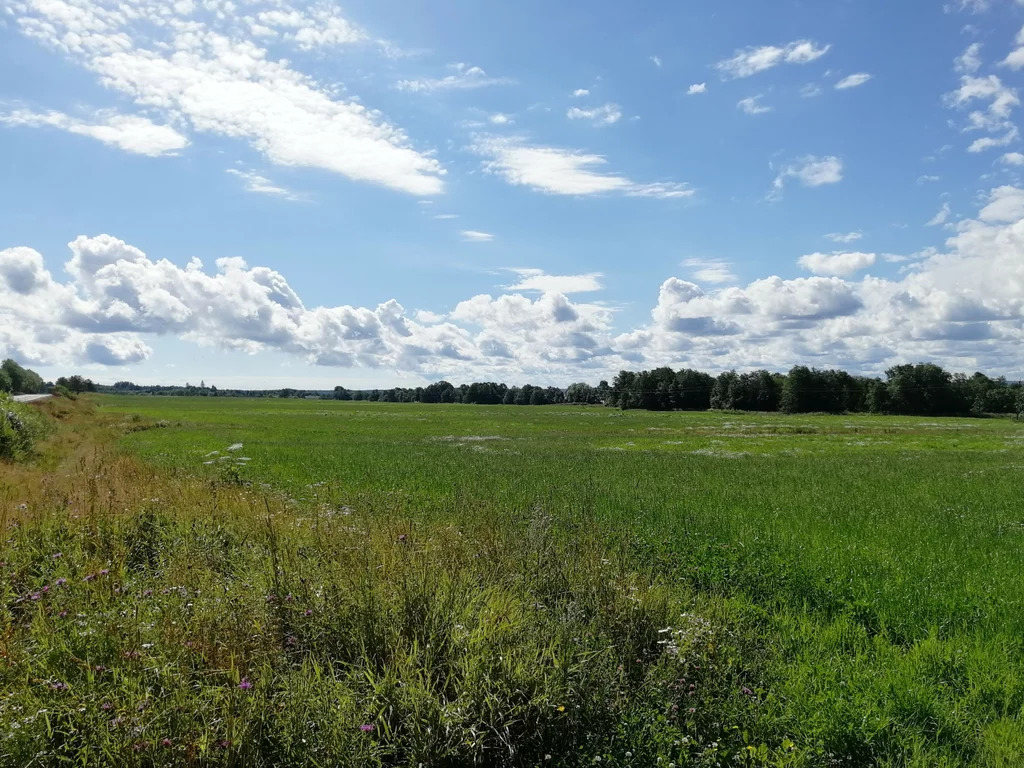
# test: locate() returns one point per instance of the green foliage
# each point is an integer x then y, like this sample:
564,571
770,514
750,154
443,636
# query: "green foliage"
18,380
834,590
20,427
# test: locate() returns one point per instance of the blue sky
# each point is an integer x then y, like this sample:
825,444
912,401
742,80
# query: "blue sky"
385,192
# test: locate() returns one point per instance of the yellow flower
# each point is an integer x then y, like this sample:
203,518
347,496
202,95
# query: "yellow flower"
561,708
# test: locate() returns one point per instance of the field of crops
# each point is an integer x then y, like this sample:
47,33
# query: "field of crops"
549,585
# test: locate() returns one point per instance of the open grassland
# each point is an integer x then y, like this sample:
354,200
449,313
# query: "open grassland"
398,584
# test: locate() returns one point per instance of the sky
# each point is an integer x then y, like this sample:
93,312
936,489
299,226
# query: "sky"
376,193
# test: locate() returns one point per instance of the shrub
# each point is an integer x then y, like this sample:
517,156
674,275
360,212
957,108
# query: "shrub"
19,429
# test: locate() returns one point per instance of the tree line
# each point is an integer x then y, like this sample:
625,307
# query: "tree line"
922,389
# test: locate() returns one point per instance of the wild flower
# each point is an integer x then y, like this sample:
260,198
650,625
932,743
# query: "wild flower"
308,612
366,727
58,686
224,743
99,668
36,596
147,593
57,555
60,582
90,577
245,685
166,743
106,706
105,572
141,746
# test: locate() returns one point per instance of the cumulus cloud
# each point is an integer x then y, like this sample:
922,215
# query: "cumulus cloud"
130,133
852,81
697,88
606,114
211,73
561,171
580,93
1013,158
809,171
750,61
462,77
962,306
994,118
837,264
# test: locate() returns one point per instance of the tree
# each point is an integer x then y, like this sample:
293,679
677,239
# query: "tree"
340,393
23,380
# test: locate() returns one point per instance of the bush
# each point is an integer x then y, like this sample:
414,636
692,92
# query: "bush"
19,429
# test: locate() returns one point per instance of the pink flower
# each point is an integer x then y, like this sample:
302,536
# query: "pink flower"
366,727
245,685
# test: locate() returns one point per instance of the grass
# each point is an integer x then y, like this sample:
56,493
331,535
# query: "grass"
520,586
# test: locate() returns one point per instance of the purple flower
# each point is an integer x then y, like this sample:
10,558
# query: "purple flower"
60,582
45,589
746,691
308,612
366,727
90,577
166,743
59,686
35,596
147,593
224,743
106,706
57,555
106,572
245,685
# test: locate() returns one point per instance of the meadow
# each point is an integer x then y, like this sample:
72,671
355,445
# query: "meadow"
292,582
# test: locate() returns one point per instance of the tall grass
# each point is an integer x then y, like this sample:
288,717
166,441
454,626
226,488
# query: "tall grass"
392,585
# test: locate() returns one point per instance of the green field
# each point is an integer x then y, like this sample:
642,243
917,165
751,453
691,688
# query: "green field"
633,587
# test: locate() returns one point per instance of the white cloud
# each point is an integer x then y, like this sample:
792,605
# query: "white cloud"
697,88
1013,158
990,142
130,133
752,105
606,114
563,172
962,307
927,179
1015,59
254,182
499,118
810,90
852,81
463,77
474,236
656,60
994,118
710,271
838,264
750,61
538,280
201,72
969,61
446,216
939,218
809,171
580,93
844,237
